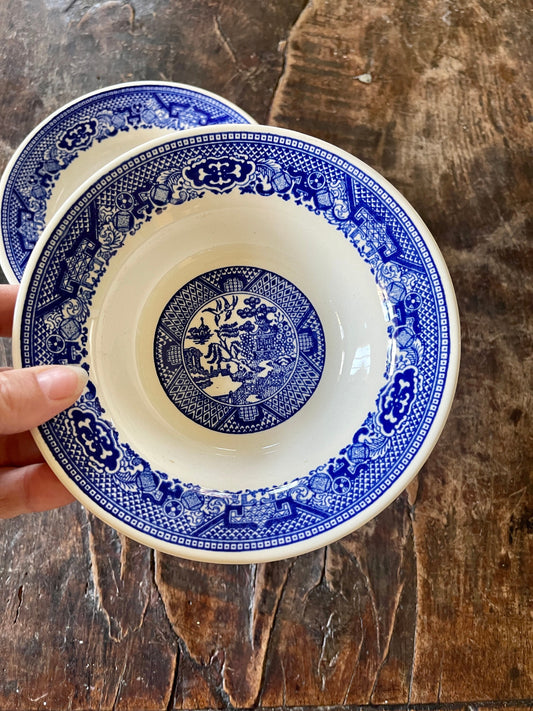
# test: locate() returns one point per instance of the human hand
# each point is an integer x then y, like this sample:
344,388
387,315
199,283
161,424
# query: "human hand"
29,397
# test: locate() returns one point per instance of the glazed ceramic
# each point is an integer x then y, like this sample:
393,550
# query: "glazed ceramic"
271,336
79,139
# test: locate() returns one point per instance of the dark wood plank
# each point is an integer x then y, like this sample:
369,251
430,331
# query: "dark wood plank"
446,118
224,617
430,603
79,604
52,52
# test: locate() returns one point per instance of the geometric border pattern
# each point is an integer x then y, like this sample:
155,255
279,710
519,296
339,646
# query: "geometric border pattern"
75,129
251,161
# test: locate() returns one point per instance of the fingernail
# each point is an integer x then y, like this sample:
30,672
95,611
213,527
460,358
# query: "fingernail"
60,382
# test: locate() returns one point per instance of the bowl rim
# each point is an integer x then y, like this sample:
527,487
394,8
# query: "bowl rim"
5,263
415,464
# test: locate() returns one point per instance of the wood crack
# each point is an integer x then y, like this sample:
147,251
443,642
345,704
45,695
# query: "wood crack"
225,40
356,663
120,684
20,595
174,685
322,577
268,644
274,102
253,605
385,654
417,601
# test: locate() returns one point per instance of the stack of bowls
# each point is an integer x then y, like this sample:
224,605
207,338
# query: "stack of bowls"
270,330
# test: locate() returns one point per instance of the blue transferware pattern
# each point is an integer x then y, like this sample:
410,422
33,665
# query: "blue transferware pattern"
79,126
239,349
260,163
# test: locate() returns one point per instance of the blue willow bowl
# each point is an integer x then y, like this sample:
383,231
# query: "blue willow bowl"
76,141
271,336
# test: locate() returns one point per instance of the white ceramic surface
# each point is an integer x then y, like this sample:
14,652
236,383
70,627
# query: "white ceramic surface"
83,136
271,336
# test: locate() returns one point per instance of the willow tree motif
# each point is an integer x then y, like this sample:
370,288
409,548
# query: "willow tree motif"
239,349
249,341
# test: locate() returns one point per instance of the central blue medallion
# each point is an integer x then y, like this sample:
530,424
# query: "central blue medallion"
239,349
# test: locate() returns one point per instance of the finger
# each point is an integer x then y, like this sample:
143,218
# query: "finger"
31,396
8,296
18,450
30,489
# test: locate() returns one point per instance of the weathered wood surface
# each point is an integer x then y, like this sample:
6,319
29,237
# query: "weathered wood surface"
429,604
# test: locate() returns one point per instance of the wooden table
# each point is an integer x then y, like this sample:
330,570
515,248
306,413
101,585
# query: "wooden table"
430,604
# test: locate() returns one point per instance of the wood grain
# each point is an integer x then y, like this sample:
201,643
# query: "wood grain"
446,117
429,606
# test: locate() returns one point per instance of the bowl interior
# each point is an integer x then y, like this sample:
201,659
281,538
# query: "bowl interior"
271,337
265,247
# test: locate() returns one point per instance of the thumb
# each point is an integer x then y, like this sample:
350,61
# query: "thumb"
30,396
